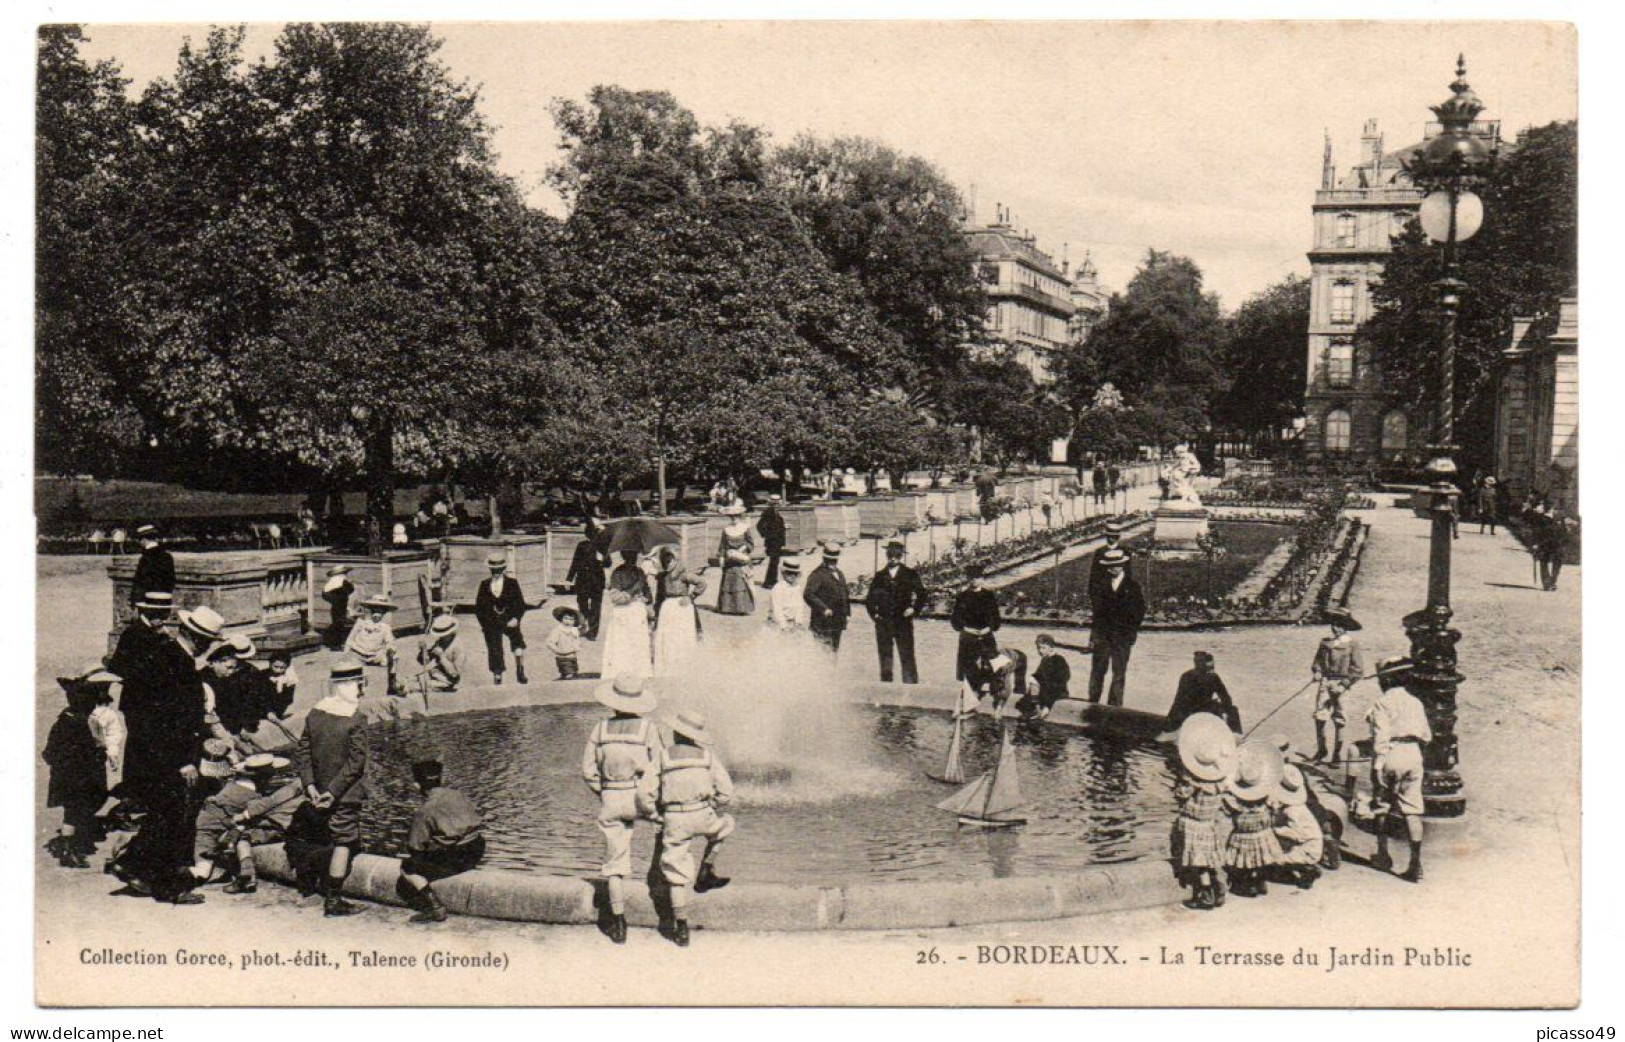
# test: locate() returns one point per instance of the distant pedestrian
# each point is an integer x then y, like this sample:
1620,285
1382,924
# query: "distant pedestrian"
677,617
1202,691
787,611
1046,504
828,600
155,569
499,606
734,553
446,838
586,577
896,596
565,641
337,592
1118,612
372,641
1489,505
975,617
770,526
1101,483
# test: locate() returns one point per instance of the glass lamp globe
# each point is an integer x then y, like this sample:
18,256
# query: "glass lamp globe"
1436,215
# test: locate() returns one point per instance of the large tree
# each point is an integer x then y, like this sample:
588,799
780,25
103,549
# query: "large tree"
1160,343
88,416
1263,359
1519,264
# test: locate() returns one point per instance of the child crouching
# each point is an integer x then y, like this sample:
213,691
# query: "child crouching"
447,838
1207,756
1297,830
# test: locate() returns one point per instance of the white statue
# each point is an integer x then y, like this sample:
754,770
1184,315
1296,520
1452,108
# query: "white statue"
1182,470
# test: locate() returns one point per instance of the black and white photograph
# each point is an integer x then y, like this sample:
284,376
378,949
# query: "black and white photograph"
806,513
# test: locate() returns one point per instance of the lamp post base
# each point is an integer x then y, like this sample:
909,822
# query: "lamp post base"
1434,682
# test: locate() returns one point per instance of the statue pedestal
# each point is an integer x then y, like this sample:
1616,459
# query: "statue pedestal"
1177,527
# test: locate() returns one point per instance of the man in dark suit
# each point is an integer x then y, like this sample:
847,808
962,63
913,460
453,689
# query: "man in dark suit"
1097,570
828,600
156,568
499,606
163,709
770,526
896,596
975,618
1119,609
586,576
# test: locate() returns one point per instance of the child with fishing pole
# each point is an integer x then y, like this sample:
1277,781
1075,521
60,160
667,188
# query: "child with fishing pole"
244,813
1339,664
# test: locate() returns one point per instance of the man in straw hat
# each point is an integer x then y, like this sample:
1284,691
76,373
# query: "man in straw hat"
1097,567
694,791
1118,609
499,607
1399,732
586,576
332,760
828,600
618,765
896,596
440,656
1339,664
372,640
163,707
155,570
247,811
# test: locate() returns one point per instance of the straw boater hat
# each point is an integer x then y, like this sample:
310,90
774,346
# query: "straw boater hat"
242,646
262,763
156,600
497,561
832,551
690,724
147,531
1114,558
1207,749
378,602
91,673
347,669
1341,617
774,497
1293,790
627,693
202,621
216,762
564,609
1258,771
442,625
733,510
790,567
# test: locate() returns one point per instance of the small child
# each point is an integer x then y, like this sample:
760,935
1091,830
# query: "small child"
1048,684
694,793
78,779
1297,830
1207,756
440,657
284,682
446,839
1252,849
565,641
107,727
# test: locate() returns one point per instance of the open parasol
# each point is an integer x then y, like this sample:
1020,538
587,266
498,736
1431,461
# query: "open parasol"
641,534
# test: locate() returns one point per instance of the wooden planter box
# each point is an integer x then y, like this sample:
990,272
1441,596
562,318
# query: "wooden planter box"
940,503
874,515
464,558
908,510
965,504
394,574
839,521
261,593
800,528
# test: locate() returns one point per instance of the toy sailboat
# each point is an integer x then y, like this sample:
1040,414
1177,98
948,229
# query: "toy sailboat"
952,772
994,799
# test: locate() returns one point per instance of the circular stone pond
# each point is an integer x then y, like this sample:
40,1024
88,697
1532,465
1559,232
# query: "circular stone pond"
837,796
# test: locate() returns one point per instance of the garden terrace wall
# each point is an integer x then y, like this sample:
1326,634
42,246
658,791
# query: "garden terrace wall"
260,593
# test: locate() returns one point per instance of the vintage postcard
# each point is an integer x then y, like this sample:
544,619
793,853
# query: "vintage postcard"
807,513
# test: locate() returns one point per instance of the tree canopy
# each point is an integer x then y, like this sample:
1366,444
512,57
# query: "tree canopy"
1263,359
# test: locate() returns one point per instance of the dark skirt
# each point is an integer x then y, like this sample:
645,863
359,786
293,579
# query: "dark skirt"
734,596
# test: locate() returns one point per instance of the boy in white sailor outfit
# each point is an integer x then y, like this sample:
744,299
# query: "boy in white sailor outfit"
695,789
619,766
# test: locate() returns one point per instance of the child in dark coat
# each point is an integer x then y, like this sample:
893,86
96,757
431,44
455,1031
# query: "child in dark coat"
446,839
78,780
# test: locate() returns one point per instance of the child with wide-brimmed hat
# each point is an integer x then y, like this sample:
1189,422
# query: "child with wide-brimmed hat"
78,778
246,811
372,640
619,766
565,641
1297,829
693,793
441,658
1207,758
1252,849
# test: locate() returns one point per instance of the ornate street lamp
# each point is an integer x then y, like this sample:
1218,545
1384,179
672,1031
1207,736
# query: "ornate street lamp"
1447,168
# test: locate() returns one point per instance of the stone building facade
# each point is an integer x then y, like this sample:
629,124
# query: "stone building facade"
1537,408
1348,416
1030,296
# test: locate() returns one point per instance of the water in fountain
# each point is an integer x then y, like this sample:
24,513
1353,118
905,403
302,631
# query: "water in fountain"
784,726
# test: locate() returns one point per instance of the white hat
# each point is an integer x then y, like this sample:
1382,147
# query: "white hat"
203,621
627,693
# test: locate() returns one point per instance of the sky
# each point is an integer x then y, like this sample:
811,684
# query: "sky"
1203,138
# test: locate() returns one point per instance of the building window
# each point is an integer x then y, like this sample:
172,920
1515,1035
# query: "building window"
1397,223
1340,364
1393,435
1346,234
1337,430
1343,301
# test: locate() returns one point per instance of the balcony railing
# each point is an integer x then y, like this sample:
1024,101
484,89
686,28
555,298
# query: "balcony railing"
1059,305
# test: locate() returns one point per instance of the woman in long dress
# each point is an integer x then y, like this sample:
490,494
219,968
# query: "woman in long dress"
627,613
676,622
734,553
